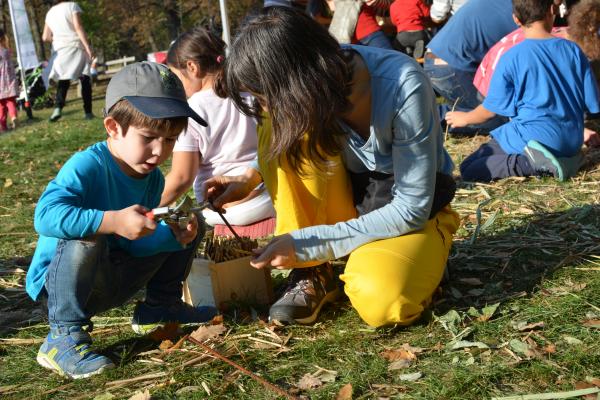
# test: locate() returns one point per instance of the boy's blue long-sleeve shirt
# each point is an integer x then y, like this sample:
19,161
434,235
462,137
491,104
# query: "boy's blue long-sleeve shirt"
73,205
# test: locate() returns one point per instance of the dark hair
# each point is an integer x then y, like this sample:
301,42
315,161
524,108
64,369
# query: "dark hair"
529,11
127,115
584,27
298,71
203,47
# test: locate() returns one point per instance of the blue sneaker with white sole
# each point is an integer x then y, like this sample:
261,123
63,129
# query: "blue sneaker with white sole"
148,318
544,162
67,352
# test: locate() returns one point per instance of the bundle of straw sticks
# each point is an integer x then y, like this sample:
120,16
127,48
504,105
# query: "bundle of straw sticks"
222,248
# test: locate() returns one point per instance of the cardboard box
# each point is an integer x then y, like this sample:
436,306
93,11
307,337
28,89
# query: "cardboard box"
211,283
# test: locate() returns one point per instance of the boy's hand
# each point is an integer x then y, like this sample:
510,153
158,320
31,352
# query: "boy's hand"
188,234
279,253
591,138
456,119
130,222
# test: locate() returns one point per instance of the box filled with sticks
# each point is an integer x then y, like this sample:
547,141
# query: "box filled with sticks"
222,274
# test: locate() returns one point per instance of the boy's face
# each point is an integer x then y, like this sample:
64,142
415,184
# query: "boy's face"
139,151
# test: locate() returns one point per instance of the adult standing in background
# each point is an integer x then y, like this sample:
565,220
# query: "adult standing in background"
441,10
456,51
72,54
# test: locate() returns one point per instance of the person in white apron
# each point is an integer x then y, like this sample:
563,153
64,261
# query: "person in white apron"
71,56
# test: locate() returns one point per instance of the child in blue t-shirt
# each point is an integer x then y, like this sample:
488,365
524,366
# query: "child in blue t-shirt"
545,85
97,247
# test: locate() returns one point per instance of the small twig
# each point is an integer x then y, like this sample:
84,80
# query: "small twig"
448,125
137,379
264,382
550,396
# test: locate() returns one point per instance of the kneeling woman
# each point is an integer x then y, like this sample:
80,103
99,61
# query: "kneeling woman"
352,155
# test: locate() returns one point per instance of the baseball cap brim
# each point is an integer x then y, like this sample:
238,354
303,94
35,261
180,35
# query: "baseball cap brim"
162,107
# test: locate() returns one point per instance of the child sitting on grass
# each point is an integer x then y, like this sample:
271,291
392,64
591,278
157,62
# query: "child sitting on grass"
97,248
544,84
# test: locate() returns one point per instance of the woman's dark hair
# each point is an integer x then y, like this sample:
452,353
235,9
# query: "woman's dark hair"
203,47
529,11
298,71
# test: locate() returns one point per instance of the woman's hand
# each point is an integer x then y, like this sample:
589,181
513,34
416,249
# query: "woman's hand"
279,253
221,190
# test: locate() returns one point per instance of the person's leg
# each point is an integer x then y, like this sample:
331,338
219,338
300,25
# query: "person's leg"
248,212
391,281
317,197
11,104
69,283
489,162
163,303
377,39
62,88
3,126
86,94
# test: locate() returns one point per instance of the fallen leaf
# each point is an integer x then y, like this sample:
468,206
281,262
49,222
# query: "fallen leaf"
549,349
586,385
593,381
145,395
521,348
8,183
217,320
572,340
206,332
170,331
399,364
471,281
165,345
345,392
524,326
461,344
308,382
411,377
592,323
398,354
325,375
105,396
487,312
414,350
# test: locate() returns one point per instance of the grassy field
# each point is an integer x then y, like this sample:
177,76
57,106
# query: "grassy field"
518,314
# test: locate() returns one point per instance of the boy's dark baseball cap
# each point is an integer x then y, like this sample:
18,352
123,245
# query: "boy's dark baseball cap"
152,89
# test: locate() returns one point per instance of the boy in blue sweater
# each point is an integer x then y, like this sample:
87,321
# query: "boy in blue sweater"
96,247
545,85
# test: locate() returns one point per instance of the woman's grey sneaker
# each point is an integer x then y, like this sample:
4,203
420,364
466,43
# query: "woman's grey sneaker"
67,352
56,114
307,291
89,116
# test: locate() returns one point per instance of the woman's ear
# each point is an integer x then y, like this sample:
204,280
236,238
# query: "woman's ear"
113,128
192,68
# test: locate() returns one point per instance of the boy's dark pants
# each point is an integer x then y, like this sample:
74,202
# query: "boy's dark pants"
86,278
489,162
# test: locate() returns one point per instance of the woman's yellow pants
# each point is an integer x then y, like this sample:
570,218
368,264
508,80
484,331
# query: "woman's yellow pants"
388,281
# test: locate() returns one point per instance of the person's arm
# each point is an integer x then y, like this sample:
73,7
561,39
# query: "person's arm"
459,119
440,9
184,167
82,35
47,33
221,190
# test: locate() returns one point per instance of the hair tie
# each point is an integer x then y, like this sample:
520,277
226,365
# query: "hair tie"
220,59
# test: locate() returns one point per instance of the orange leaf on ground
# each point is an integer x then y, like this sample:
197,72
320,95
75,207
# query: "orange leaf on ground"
207,332
345,392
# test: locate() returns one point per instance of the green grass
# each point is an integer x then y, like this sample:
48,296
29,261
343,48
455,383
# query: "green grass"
536,253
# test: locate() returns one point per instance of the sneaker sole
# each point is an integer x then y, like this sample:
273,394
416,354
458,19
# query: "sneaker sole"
146,329
539,147
328,298
47,363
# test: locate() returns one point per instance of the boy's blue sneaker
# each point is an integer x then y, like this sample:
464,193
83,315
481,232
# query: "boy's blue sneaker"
67,351
148,318
543,161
